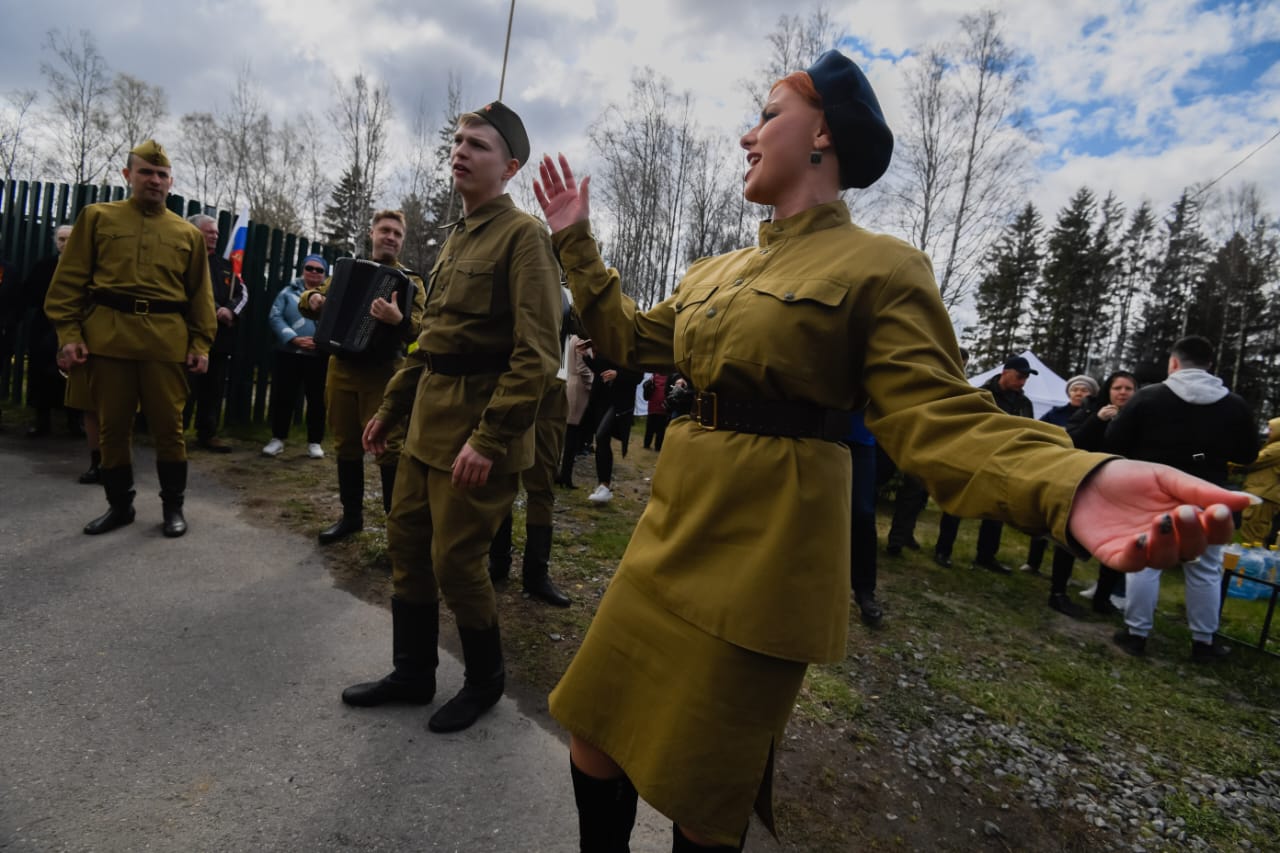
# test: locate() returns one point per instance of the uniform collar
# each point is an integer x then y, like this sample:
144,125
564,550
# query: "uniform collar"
819,218
133,200
482,214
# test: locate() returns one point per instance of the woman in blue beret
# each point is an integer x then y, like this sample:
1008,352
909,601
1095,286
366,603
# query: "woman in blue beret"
737,575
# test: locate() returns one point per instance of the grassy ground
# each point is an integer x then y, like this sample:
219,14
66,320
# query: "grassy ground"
954,642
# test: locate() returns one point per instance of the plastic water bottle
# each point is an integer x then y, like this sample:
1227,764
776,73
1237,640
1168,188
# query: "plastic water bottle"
1250,565
1257,563
1231,558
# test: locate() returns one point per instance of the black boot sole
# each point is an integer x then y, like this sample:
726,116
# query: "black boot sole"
371,694
112,519
339,531
462,711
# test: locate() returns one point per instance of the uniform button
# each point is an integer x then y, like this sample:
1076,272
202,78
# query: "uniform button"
790,297
711,312
738,282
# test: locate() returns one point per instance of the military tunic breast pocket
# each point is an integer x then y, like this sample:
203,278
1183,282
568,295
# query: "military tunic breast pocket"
115,246
794,326
688,301
470,288
172,253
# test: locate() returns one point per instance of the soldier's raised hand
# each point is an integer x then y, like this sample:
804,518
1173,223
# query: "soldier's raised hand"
564,201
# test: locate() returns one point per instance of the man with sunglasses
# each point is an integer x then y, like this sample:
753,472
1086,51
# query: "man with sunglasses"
298,364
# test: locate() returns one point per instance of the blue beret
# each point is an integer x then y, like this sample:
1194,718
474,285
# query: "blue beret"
863,141
318,259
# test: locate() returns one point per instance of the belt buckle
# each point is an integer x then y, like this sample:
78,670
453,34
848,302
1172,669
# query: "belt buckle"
142,306
707,396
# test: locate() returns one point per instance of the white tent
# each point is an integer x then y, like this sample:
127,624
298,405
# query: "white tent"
1046,389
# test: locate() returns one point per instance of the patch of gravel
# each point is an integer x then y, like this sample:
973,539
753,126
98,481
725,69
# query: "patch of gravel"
1118,793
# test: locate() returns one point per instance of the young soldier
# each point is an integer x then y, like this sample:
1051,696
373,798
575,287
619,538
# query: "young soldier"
487,350
353,390
132,299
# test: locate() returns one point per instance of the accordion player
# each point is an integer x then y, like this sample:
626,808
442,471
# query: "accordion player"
346,329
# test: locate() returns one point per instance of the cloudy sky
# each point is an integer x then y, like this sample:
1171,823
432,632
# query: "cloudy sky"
1138,97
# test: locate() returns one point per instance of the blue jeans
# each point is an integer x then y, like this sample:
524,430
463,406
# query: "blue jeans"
1203,577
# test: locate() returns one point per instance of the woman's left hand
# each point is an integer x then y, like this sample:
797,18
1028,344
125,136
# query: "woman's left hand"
1131,515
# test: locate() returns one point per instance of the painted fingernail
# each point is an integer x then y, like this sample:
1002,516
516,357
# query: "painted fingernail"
1166,523
1253,499
1142,542
1220,513
1187,514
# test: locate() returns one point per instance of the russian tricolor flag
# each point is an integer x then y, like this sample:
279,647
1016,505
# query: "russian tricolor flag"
235,253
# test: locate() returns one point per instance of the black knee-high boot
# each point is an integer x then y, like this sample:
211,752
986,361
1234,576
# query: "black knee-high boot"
415,634
606,812
536,573
351,493
95,464
173,488
118,484
483,681
388,473
572,441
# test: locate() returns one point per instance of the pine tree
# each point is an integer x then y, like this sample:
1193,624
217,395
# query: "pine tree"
1137,265
346,218
1003,294
1181,270
1067,287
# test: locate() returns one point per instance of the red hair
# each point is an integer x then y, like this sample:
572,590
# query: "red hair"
802,84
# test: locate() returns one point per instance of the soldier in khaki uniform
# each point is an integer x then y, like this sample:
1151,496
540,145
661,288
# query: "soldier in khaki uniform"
548,432
132,300
353,389
471,392
737,575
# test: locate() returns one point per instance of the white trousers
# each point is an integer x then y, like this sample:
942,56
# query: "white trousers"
1204,596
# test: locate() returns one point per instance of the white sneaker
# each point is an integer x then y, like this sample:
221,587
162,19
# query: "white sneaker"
602,495
1088,593
315,451
274,447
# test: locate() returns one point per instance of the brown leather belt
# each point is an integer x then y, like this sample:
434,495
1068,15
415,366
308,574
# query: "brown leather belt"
467,363
130,305
783,418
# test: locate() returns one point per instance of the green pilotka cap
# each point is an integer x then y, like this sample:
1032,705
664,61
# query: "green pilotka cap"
509,127
152,152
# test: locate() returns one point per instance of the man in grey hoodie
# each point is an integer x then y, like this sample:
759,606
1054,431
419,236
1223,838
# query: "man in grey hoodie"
1193,423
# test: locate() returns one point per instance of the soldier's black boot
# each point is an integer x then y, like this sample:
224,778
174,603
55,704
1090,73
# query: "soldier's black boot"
415,633
91,475
173,488
606,812
500,552
388,473
351,493
483,681
118,484
536,571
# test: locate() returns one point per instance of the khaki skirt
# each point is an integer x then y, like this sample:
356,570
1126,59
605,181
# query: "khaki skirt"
691,719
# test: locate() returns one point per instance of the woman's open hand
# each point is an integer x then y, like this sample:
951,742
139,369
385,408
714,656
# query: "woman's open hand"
563,200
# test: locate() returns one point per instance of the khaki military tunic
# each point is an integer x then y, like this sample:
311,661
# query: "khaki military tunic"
495,290
739,566
136,358
118,248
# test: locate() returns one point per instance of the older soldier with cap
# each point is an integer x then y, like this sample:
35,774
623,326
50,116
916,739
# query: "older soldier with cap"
487,352
353,389
132,299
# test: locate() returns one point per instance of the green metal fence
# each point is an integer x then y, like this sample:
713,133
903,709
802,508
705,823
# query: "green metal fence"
29,213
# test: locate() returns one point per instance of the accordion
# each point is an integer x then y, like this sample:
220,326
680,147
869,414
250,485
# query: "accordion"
346,328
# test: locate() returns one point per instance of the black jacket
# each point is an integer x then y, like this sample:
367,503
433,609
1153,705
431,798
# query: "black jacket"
1200,438
1012,402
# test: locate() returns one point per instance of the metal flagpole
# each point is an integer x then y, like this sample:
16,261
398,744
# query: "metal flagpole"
505,49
